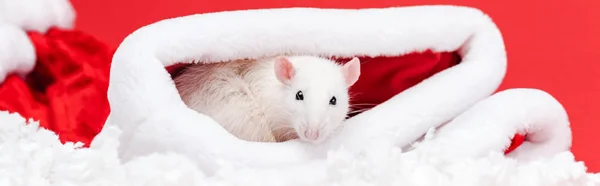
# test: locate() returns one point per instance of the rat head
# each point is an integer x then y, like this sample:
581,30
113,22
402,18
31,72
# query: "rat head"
316,93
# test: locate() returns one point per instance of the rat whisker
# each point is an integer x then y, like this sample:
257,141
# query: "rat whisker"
362,106
291,132
353,95
282,127
370,104
358,111
288,135
364,62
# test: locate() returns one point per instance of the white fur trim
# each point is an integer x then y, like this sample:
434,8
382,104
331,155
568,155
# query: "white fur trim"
489,126
17,54
34,156
38,15
146,106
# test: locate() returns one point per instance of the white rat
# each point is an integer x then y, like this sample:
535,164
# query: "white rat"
272,99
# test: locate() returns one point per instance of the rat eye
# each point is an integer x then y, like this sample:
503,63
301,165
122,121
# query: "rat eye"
332,101
299,95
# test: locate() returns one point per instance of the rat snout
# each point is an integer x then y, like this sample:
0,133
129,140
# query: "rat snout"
313,130
311,134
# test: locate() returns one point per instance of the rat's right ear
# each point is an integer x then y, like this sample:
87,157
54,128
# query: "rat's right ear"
284,70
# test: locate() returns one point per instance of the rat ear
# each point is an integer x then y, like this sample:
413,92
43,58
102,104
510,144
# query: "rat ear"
284,70
351,71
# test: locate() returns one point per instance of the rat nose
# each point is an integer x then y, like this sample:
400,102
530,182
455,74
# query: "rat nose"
311,134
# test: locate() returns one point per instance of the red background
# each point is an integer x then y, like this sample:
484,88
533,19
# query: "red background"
551,44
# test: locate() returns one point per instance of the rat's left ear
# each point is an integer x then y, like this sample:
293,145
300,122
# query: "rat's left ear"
351,71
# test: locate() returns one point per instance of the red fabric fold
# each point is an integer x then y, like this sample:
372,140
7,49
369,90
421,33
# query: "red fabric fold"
66,91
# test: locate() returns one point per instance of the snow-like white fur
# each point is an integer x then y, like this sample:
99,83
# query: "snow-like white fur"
147,107
505,114
17,54
37,15
32,156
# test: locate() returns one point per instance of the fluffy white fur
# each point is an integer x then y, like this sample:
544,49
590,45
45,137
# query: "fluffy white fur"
17,54
37,15
34,156
151,138
497,119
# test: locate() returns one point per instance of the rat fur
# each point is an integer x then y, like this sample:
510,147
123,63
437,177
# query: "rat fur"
258,100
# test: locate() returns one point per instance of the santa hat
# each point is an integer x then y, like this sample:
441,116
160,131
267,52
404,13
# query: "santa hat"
33,15
475,126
